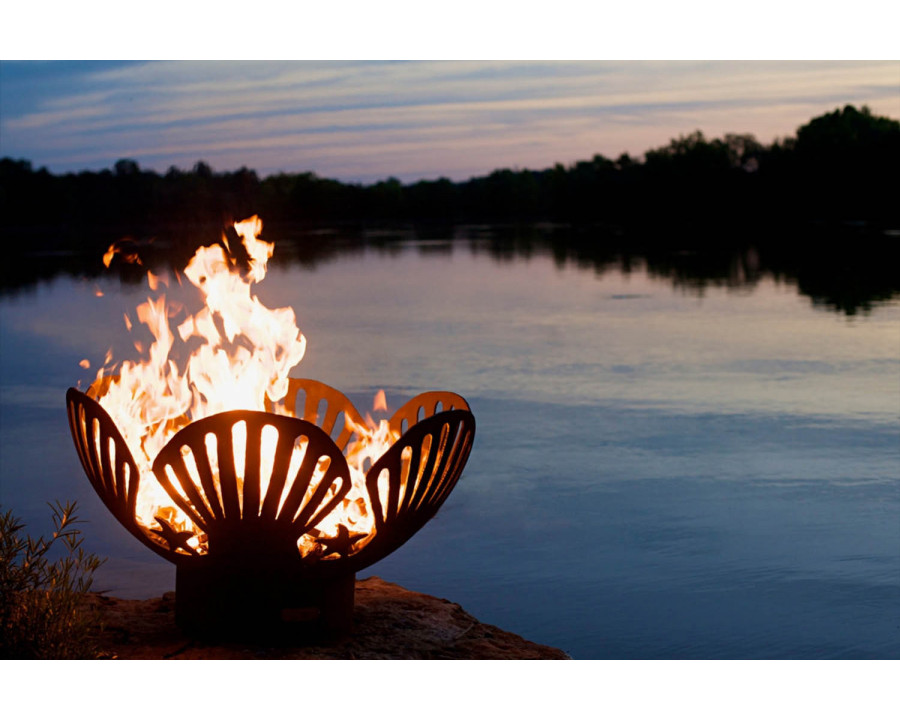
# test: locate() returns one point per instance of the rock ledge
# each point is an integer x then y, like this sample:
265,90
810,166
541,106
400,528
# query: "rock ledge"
390,622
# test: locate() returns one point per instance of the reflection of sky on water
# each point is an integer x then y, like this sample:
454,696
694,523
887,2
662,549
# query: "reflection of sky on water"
527,330
655,474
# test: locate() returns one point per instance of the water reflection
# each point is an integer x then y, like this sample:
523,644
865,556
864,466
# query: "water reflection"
676,457
845,270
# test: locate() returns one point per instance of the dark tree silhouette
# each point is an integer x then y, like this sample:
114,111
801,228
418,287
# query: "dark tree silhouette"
841,166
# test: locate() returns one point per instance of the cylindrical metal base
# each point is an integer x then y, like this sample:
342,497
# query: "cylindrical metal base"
216,600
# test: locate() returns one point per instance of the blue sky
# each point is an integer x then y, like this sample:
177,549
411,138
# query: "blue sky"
361,121
349,111
353,113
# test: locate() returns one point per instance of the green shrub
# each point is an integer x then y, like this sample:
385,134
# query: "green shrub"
43,613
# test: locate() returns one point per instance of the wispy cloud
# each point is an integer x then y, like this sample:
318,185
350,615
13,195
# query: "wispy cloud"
361,121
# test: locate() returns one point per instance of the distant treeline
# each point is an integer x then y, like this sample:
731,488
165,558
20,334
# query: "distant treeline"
840,167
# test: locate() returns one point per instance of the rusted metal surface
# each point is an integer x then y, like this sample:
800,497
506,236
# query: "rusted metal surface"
243,573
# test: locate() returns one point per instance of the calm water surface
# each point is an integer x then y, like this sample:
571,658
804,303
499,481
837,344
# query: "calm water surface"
657,472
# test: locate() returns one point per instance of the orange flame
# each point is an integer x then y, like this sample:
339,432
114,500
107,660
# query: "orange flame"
231,354
129,257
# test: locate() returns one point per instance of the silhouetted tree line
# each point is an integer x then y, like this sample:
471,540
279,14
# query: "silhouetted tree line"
819,209
841,166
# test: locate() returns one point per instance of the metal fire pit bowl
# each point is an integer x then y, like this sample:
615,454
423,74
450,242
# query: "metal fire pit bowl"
249,577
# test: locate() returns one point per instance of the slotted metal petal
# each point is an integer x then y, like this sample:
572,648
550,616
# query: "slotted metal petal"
304,400
424,406
110,466
230,500
422,467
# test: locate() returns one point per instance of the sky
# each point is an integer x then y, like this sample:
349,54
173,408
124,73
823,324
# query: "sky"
351,90
366,120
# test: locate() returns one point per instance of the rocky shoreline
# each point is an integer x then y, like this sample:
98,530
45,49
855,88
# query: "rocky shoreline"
390,623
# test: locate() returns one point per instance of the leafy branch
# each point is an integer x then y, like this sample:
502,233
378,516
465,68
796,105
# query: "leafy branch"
43,614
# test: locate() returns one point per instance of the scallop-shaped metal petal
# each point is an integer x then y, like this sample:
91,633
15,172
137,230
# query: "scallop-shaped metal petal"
323,406
110,466
412,479
256,477
424,406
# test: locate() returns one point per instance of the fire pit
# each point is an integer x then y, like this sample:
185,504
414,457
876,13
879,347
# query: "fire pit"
267,512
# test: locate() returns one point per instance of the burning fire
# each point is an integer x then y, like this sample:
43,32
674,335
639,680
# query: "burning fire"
232,354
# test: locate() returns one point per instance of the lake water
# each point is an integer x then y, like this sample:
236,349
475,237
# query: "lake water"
661,469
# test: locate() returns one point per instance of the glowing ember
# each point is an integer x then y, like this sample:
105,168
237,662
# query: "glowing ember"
232,354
